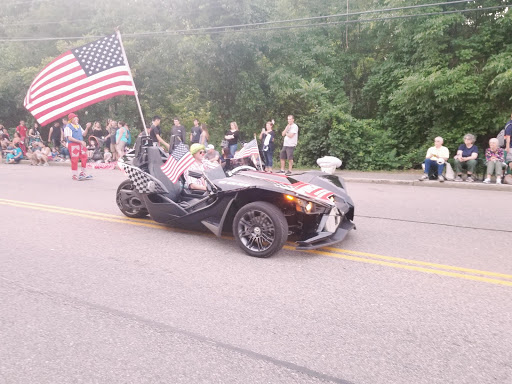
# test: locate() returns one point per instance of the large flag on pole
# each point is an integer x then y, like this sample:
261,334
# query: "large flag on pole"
80,77
178,162
249,149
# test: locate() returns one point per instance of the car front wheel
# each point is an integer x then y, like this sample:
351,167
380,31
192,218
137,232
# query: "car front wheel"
260,229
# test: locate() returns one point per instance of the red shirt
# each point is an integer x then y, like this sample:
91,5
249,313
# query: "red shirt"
22,130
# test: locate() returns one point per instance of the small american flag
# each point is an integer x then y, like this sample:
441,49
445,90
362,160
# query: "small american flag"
249,149
178,162
80,77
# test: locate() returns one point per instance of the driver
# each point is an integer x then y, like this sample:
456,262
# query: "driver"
197,151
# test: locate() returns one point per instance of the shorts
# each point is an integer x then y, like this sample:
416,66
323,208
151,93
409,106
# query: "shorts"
56,143
287,153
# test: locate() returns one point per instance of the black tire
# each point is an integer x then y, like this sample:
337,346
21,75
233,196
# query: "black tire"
132,207
260,229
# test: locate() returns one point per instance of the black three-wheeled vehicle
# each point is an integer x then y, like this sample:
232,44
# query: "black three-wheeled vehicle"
261,209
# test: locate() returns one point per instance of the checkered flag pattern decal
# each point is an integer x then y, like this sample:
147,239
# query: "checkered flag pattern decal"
142,180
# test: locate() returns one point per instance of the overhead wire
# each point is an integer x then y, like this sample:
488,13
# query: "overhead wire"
311,18
244,27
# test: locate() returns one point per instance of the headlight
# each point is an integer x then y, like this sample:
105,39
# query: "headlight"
305,206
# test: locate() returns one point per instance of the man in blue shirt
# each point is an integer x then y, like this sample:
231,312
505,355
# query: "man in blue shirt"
508,135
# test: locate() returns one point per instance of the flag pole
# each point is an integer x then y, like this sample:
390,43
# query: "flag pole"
261,163
118,33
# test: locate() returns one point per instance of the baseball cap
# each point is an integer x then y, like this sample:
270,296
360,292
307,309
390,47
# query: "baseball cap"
210,146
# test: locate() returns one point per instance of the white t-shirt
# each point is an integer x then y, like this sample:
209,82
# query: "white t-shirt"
438,152
292,142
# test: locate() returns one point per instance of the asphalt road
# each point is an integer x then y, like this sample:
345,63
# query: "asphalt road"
420,293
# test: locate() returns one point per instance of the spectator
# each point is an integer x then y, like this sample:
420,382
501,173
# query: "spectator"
155,133
17,139
232,136
4,138
205,135
32,152
112,135
15,156
267,139
195,133
107,155
177,134
3,131
436,157
22,131
97,131
494,159
43,155
290,133
55,135
197,151
212,154
508,137
466,158
34,134
121,139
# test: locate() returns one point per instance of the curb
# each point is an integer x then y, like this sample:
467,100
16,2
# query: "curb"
433,184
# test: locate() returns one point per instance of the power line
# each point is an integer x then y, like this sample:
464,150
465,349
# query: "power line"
283,21
27,2
243,27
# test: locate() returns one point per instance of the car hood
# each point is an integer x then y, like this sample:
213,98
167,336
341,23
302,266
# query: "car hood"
277,183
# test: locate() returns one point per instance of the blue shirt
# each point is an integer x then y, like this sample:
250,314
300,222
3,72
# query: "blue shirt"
466,152
508,128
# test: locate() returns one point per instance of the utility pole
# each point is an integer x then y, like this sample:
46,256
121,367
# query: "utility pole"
346,29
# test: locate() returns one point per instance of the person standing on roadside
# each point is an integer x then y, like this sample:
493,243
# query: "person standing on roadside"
155,133
267,145
195,132
508,140
291,136
22,131
77,147
177,134
55,135
232,136
112,135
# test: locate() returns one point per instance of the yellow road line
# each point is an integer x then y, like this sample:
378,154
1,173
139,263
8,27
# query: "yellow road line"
417,262
338,252
410,267
64,209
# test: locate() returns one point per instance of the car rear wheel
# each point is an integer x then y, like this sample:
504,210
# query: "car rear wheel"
260,229
128,202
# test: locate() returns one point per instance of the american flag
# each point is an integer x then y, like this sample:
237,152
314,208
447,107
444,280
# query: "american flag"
249,149
178,162
80,77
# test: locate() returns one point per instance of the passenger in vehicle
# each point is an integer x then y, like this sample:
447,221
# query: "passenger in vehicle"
197,151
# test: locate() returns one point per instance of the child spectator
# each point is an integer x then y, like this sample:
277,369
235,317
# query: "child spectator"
15,156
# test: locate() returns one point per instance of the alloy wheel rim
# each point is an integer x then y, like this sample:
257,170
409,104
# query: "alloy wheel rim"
256,231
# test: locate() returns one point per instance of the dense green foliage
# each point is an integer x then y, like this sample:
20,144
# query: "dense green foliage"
376,103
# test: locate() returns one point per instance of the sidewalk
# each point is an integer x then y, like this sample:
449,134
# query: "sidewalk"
409,177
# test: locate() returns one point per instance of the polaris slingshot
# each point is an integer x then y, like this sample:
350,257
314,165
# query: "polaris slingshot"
261,209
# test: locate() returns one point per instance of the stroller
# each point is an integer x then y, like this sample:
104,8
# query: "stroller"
94,150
